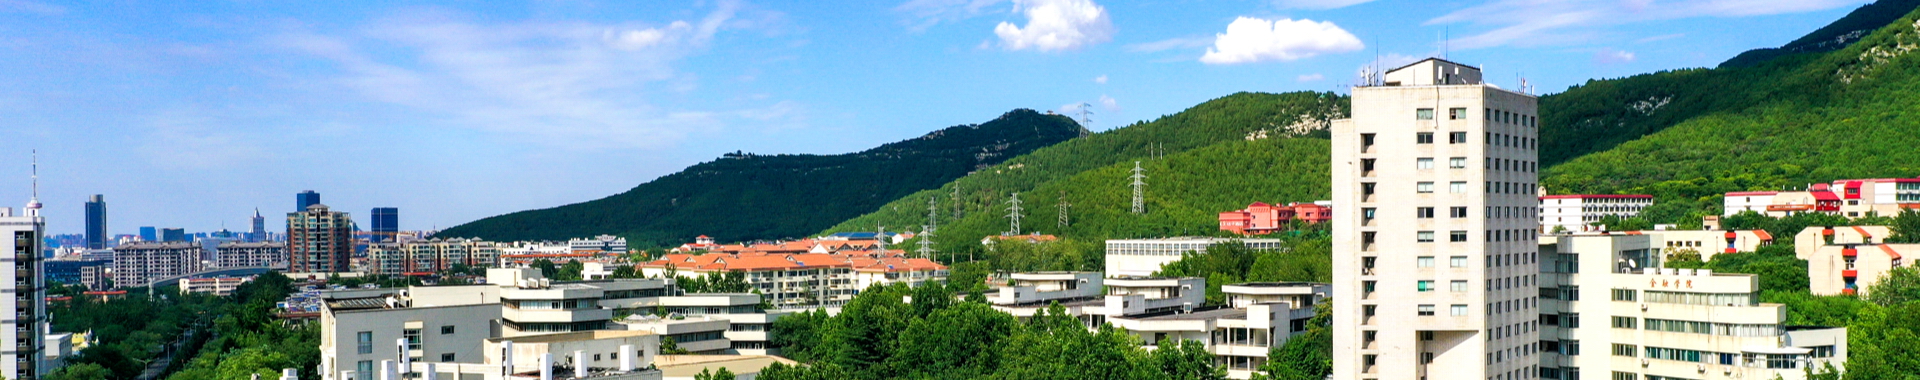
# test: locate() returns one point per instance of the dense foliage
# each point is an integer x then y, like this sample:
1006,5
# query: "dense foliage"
1783,124
747,196
1834,36
249,339
1307,257
129,332
898,332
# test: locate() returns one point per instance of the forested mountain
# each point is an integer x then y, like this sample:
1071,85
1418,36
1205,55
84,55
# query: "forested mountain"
1794,120
1217,156
1845,31
748,196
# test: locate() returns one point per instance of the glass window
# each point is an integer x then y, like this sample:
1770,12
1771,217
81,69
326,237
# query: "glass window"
1457,261
1457,236
1423,163
446,329
365,340
1424,187
1458,212
1423,114
1457,113
1459,286
1424,261
1457,162
1457,187
1425,236
1456,137
1426,310
1425,285
364,369
1423,138
1423,212
1459,310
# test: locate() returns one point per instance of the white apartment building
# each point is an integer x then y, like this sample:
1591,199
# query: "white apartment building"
1143,257
802,280
261,254
1743,201
137,264
430,256
1434,236
1032,292
597,355
1607,311
603,243
1848,260
1851,198
1577,212
25,325
219,286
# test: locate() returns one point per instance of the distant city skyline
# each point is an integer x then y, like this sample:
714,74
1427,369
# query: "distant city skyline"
194,115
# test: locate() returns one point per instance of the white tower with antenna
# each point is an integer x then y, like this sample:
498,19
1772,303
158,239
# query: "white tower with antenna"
1139,189
25,321
1013,214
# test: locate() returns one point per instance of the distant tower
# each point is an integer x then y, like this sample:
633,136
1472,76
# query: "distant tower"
956,202
304,199
33,204
1086,114
24,325
1139,189
386,224
1062,207
1013,213
259,232
926,243
97,222
933,210
880,240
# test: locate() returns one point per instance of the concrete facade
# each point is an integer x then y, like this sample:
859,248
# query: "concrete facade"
1576,212
137,264
25,324
1143,257
1433,267
261,254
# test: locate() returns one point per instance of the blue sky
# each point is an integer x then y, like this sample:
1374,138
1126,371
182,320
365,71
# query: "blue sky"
193,114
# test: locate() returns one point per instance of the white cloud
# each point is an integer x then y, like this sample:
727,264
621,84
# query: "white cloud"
1107,103
1310,78
1539,22
1316,4
572,84
1054,25
1611,56
927,13
1167,44
1663,37
1102,79
1251,39
189,138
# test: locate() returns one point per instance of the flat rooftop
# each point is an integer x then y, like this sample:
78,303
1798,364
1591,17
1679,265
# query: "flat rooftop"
1196,315
573,336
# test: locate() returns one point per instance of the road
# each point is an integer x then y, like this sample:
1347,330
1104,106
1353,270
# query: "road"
159,365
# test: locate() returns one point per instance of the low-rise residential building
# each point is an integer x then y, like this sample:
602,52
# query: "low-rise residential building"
1578,212
806,279
1706,243
1260,218
1143,257
1044,288
1851,198
604,243
1608,309
1848,260
597,355
430,256
241,254
137,264
219,286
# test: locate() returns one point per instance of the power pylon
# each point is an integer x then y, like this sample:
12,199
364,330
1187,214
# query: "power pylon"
1062,208
1139,189
1013,213
926,244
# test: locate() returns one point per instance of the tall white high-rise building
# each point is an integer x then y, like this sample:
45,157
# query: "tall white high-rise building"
1435,256
24,327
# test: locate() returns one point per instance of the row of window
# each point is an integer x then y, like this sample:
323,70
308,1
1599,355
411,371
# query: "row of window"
1493,115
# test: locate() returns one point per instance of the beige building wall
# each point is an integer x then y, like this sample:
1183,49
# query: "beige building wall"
1386,277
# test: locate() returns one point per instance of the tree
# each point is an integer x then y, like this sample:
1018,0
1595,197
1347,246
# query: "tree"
1187,360
81,371
722,374
1898,286
1308,356
1685,258
571,271
799,335
1906,227
669,347
954,342
546,268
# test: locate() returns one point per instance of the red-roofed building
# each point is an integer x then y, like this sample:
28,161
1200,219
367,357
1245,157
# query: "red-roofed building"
1260,218
1851,198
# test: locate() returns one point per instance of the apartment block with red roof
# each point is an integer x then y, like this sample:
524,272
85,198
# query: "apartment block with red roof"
1847,260
1851,198
1261,218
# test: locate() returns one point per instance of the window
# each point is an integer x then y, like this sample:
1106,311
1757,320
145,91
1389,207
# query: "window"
1425,285
446,357
1459,286
365,339
1459,310
1457,212
1457,237
1366,215
1457,163
1366,167
364,366
1366,141
1572,347
1570,320
1625,322
413,338
1423,114
1426,357
1423,163
1426,310
1424,236
1424,187
1457,262
1423,138
1424,261
1457,187
444,330
1625,294
1423,212
1457,113
1456,137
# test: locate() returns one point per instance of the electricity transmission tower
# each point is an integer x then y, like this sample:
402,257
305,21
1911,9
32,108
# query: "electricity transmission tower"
880,240
933,211
1013,213
956,202
1139,189
926,244
1063,209
1086,114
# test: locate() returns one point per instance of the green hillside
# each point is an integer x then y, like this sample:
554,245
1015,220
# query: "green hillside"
1181,152
1858,24
747,196
1817,117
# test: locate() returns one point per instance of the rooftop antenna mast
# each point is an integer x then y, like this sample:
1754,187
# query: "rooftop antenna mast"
1013,213
1139,189
1063,209
33,204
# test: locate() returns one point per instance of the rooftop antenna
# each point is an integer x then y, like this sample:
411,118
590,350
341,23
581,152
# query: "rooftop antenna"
1446,41
1139,189
1013,213
33,204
